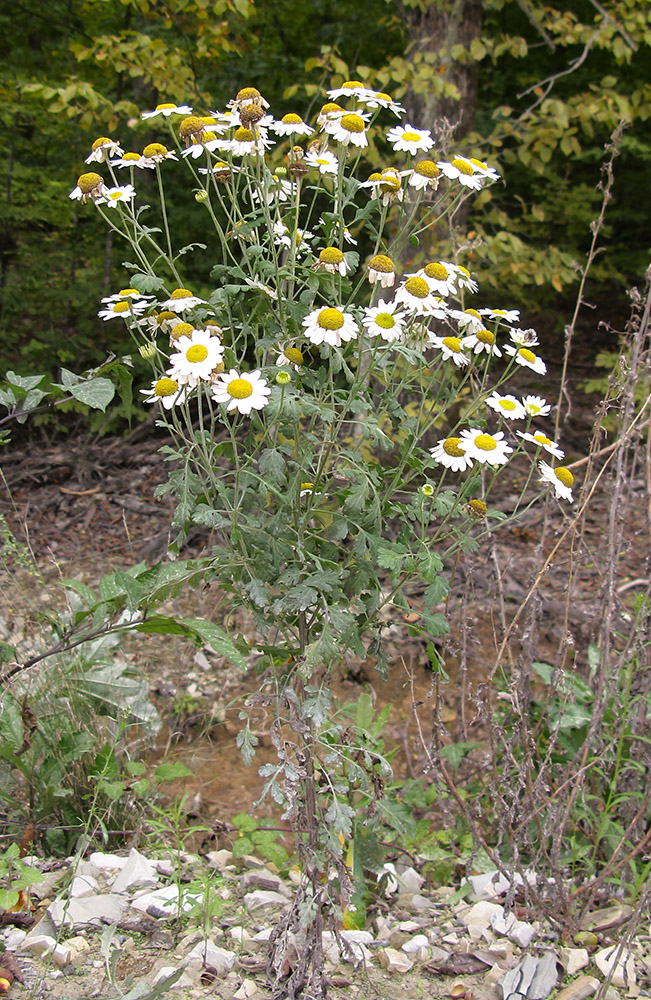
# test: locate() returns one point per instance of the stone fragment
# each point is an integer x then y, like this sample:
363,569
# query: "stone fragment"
580,989
573,960
89,910
616,963
415,944
522,933
248,989
502,923
184,979
39,944
394,961
534,978
13,940
418,903
609,916
239,934
208,953
83,885
398,938
262,878
107,862
164,902
481,914
164,866
490,885
355,948
138,872
260,898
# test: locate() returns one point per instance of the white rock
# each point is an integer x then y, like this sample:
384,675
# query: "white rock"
169,970
167,900
573,960
414,945
138,872
14,939
357,936
249,988
480,914
61,955
620,962
240,934
83,885
164,866
420,902
260,898
502,923
107,862
263,935
408,926
262,878
208,953
522,933
95,910
330,947
39,944
394,961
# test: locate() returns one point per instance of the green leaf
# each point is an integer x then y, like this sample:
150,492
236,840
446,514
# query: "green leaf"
171,771
96,393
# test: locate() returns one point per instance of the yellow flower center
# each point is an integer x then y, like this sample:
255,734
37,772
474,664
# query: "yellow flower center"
291,119
331,255
196,353
131,156
239,388
472,312
427,168
462,166
182,330
165,315
417,287
383,97
564,475
527,354
121,307
390,180
331,319
478,163
155,149
128,291
164,107
181,293
307,486
331,108
485,337
385,320
352,84
541,439
410,136
485,442
208,121
294,355
244,135
88,182
248,94
451,447
191,126
507,404
166,387
437,271
352,123
477,507
464,270
453,344
102,141
116,195
381,263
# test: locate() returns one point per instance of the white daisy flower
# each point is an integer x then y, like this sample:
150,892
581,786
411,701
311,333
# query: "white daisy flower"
156,152
490,173
490,449
439,277
197,357
167,110
502,315
165,321
350,88
378,99
451,453
381,271
332,259
290,357
460,169
462,275
523,356
133,160
122,309
417,296
278,189
283,237
182,299
407,139
220,171
536,406
167,391
328,114
130,294
468,320
112,196
482,340
508,406
384,320
540,439
560,478
349,128
451,348
199,149
90,185
330,326
245,142
260,286
291,124
243,392
524,338
102,149
248,97
423,175
326,162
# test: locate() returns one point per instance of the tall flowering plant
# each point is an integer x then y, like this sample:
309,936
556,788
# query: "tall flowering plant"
308,392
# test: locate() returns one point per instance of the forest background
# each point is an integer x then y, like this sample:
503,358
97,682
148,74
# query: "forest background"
534,89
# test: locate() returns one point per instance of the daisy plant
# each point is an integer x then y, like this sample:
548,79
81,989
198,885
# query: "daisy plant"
306,370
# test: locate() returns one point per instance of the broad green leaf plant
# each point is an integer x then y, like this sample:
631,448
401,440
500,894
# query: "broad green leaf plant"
337,404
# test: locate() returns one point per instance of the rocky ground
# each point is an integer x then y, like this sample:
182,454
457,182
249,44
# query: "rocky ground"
107,925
